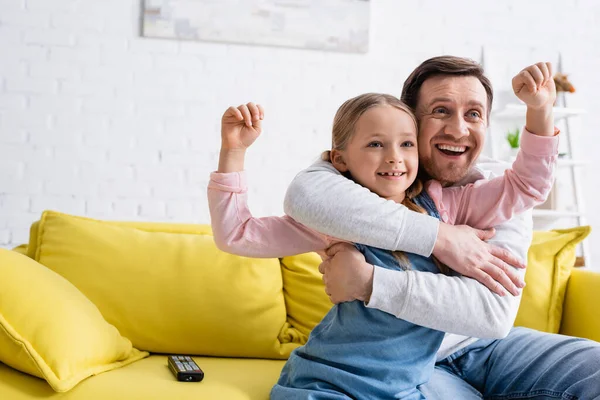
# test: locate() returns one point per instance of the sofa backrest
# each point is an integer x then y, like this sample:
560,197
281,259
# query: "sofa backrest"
168,288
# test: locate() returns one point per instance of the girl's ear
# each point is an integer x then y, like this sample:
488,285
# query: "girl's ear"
337,159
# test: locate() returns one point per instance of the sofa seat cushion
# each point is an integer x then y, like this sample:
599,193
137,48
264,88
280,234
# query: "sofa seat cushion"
169,290
150,379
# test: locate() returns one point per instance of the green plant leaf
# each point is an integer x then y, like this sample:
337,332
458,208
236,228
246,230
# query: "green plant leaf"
513,138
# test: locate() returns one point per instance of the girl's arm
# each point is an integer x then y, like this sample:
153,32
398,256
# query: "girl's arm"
236,231
234,228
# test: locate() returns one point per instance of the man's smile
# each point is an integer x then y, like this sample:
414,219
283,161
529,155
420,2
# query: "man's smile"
452,150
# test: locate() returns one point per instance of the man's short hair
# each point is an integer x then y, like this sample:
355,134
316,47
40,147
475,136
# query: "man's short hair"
441,66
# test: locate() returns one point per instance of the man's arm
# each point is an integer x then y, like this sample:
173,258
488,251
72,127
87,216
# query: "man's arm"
324,200
489,202
448,303
454,304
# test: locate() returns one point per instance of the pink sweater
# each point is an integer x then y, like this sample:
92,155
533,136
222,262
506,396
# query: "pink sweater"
482,204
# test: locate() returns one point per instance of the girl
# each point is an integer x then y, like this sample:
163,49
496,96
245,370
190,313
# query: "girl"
355,351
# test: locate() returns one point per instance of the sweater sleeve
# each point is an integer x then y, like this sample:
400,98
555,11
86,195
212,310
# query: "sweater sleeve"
455,304
486,203
324,200
236,231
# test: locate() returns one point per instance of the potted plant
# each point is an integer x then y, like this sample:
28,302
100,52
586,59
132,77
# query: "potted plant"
513,137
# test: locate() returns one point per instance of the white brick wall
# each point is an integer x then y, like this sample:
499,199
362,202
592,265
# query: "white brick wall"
96,120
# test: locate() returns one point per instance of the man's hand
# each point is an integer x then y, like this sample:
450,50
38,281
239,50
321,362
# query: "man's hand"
463,249
535,85
536,88
346,274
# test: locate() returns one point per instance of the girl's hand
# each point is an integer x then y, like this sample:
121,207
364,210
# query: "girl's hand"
241,126
535,85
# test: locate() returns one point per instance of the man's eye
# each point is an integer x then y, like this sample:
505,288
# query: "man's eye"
408,143
474,114
440,110
375,144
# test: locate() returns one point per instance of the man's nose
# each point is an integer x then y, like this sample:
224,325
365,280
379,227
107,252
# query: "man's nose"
457,127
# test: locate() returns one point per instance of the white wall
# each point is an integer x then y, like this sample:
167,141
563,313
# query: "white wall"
96,120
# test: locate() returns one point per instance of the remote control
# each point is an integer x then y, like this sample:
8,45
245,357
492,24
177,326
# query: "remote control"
185,369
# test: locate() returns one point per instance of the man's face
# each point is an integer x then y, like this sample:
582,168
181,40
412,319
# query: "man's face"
452,113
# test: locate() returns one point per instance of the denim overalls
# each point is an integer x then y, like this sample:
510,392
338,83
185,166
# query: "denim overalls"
363,353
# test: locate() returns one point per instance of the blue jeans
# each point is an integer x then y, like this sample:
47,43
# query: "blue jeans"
527,364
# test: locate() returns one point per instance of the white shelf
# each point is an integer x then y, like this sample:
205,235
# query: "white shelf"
561,162
515,111
555,213
565,162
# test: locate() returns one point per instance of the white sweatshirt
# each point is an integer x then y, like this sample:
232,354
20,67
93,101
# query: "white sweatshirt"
461,306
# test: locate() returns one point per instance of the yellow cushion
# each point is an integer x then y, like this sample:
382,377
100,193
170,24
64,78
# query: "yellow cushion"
304,291
170,291
150,379
580,316
50,330
22,249
549,262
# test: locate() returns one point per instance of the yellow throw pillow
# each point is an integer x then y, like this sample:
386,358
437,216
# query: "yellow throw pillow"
167,287
304,291
49,329
549,262
580,313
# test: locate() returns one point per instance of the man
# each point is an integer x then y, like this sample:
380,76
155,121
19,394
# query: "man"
452,99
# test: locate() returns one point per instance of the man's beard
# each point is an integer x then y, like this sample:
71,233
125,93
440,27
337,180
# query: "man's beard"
447,175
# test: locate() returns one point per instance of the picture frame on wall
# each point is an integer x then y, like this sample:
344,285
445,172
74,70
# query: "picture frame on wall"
332,25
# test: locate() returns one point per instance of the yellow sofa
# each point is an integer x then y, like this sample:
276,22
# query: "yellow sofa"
123,290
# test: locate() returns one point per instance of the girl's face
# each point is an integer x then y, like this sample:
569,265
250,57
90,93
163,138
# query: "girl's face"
382,154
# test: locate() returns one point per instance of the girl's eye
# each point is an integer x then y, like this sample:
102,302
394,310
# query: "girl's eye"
408,143
375,144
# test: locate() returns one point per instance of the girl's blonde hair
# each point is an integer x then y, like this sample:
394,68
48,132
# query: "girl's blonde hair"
344,124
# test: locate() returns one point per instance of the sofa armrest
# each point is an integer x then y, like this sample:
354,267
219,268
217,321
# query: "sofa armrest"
580,310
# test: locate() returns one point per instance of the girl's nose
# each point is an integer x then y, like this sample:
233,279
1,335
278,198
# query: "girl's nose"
394,157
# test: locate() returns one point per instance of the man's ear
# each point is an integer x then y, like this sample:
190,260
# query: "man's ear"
337,159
